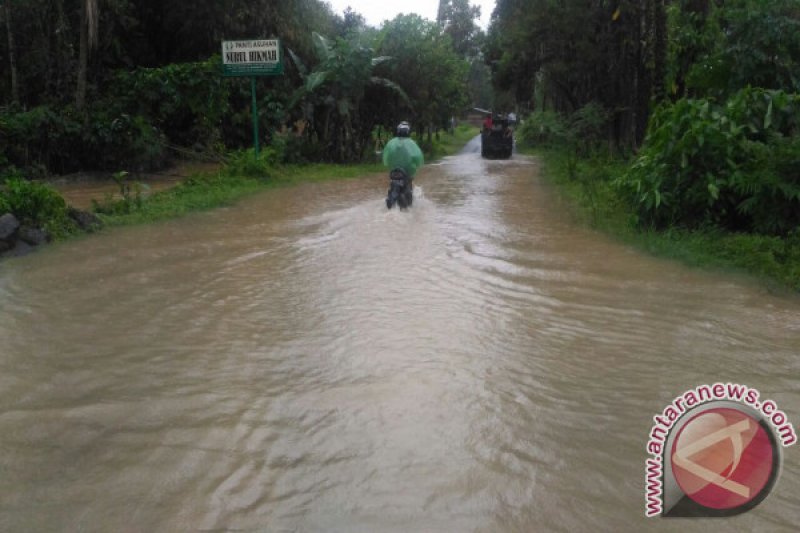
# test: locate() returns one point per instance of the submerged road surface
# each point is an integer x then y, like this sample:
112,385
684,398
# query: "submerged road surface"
308,361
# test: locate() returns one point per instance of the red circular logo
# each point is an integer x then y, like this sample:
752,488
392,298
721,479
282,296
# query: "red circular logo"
722,458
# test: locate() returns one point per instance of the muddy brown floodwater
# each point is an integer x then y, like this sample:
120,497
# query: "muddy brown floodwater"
79,190
308,361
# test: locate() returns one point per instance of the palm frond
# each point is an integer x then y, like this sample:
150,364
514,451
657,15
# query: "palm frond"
322,46
301,67
315,80
380,59
383,82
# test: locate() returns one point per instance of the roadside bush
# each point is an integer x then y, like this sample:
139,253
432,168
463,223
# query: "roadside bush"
42,137
588,127
581,131
184,103
544,128
123,141
60,140
37,205
32,202
734,165
244,163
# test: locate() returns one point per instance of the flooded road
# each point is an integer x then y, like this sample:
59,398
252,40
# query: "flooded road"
308,361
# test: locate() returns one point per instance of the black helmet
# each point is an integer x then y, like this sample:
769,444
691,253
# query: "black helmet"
403,129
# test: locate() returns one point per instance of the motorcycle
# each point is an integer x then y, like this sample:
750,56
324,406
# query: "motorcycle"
400,189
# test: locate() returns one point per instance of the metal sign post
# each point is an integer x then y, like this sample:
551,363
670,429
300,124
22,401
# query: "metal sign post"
255,115
253,58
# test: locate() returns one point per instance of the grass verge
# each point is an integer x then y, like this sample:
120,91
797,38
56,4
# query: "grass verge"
587,184
448,144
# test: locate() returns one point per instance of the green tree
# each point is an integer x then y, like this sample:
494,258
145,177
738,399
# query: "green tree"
426,66
350,22
333,95
480,85
719,49
573,53
457,18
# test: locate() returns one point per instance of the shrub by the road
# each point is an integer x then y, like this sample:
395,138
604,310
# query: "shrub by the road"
37,205
734,165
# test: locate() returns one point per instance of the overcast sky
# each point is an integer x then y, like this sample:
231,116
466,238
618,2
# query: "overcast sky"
376,12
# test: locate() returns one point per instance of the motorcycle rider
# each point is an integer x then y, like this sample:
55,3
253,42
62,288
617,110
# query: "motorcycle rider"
402,152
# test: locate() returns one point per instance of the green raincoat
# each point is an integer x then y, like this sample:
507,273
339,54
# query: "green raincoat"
404,153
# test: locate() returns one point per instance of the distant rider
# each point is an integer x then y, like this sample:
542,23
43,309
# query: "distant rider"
402,152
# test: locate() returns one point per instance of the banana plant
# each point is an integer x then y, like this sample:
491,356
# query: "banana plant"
332,94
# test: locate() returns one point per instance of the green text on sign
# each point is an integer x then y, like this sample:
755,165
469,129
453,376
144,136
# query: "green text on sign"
257,57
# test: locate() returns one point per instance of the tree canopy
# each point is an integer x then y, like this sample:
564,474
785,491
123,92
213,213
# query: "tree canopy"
96,75
565,55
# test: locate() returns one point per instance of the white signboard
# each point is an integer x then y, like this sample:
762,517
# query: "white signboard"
257,57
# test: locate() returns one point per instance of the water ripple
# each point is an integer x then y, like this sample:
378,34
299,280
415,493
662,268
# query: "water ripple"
310,361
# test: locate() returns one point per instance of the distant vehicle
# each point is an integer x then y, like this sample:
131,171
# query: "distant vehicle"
497,140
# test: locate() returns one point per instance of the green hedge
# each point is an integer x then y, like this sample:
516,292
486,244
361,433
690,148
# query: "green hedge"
61,140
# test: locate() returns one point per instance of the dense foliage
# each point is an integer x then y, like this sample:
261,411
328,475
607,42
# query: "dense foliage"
582,131
562,56
123,84
734,164
718,48
64,140
722,148
701,98
726,152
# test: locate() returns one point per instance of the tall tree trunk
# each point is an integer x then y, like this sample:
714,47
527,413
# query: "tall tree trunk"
60,77
83,62
644,73
88,37
660,51
12,59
